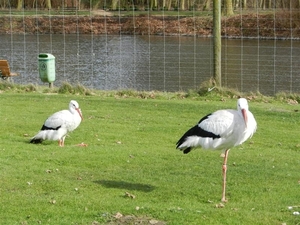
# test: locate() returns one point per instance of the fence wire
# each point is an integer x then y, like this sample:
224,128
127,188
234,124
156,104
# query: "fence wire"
168,61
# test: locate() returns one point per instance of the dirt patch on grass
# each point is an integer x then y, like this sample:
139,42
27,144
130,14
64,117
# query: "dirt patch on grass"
132,220
119,219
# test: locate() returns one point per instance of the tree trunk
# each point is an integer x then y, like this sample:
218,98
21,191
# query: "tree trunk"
236,4
48,4
114,4
169,5
244,4
20,5
227,10
182,4
206,6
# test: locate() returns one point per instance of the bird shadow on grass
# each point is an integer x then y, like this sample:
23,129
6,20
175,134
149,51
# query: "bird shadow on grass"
125,185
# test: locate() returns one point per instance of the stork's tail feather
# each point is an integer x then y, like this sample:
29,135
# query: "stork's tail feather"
181,141
184,149
186,143
36,140
187,150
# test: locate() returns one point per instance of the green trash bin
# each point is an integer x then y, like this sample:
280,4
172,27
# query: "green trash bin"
47,67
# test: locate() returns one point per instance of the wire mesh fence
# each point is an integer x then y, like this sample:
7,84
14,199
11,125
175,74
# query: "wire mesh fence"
169,51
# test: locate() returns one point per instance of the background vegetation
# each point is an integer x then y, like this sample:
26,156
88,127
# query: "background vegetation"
228,5
130,171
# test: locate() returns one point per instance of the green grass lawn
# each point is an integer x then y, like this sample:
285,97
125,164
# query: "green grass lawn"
131,148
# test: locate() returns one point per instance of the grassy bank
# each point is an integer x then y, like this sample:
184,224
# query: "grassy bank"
131,167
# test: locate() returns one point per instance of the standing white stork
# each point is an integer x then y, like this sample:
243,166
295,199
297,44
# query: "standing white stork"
221,130
59,124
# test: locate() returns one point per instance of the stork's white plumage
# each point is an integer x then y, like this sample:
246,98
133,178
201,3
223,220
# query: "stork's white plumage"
221,130
59,124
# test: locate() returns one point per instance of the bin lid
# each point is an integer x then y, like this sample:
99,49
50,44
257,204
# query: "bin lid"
46,56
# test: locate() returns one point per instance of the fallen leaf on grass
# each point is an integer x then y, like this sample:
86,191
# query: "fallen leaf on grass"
127,194
292,102
294,206
153,221
82,144
118,215
220,205
130,219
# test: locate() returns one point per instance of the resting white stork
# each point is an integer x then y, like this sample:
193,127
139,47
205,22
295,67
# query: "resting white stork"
221,130
59,124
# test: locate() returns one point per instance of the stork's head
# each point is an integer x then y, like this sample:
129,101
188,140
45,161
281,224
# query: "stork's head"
242,107
74,107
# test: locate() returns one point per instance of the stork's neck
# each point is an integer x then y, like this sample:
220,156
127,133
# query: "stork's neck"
73,111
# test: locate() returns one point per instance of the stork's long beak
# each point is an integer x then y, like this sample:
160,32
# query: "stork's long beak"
244,113
79,112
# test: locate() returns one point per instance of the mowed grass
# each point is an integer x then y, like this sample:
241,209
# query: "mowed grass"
131,148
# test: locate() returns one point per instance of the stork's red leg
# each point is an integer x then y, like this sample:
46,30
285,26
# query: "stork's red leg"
63,141
224,168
